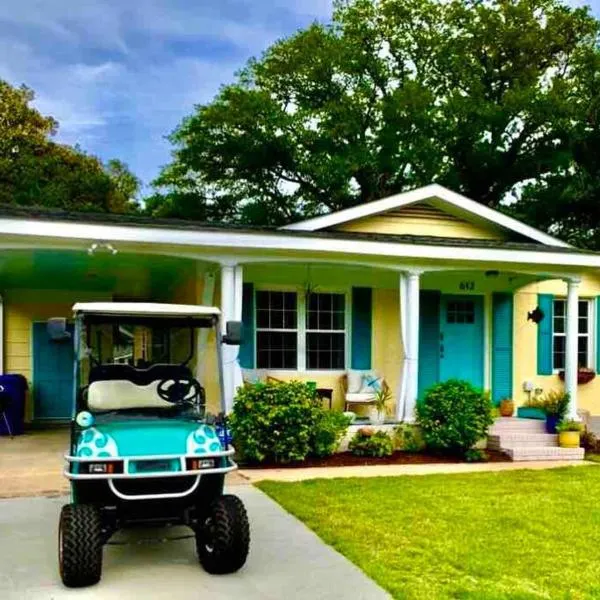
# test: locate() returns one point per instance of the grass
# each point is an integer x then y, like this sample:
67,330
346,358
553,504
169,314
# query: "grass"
485,536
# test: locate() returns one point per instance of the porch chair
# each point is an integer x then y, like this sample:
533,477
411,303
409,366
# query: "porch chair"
361,387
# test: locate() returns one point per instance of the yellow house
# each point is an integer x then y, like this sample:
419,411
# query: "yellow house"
417,288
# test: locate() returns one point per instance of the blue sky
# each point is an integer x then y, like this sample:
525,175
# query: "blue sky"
119,75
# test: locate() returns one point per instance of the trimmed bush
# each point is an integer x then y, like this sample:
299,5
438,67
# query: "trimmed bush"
367,442
328,432
409,438
453,416
274,421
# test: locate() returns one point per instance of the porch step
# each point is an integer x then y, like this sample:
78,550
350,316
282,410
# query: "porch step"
519,439
504,425
522,453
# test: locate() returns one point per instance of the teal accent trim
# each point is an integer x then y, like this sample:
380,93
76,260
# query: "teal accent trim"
362,316
544,335
528,412
246,352
429,340
52,375
502,346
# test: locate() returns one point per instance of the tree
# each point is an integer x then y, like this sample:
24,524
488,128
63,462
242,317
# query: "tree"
34,170
393,94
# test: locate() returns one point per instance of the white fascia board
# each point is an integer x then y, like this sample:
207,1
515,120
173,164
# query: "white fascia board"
429,192
279,240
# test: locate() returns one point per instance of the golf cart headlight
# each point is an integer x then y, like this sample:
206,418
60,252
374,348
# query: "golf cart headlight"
105,468
84,419
98,468
197,464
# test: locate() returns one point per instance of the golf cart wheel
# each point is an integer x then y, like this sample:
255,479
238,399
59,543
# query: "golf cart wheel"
80,545
223,538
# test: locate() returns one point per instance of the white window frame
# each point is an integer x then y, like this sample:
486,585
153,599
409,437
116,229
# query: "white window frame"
591,333
302,328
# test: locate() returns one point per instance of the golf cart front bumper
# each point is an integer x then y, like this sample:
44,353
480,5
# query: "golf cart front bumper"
134,467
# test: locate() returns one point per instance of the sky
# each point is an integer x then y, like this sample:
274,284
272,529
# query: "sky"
119,75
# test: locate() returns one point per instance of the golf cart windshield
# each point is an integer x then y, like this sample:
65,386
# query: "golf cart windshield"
141,360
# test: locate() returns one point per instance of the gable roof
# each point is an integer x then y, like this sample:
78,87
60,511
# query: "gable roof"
466,206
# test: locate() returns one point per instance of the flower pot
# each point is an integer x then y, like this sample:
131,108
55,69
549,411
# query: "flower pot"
507,407
377,418
551,423
569,439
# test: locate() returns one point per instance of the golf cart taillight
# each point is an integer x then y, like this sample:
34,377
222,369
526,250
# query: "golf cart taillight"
196,464
104,468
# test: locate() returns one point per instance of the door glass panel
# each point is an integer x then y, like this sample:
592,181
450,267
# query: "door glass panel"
460,311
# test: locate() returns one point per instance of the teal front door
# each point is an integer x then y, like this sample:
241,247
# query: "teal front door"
52,375
461,339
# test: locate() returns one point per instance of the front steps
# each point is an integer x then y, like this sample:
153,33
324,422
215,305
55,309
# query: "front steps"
526,439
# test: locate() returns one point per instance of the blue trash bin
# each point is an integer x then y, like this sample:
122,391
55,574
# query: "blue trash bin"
15,387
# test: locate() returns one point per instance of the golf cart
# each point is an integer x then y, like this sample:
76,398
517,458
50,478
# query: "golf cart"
143,450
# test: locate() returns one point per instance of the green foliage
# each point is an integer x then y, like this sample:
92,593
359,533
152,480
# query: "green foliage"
367,442
454,416
479,96
328,431
475,455
555,403
382,399
409,438
569,426
274,421
34,170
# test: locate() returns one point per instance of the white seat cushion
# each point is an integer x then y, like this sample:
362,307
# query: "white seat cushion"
361,397
355,380
121,394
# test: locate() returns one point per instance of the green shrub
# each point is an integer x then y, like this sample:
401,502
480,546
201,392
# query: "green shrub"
475,455
454,416
569,426
367,442
555,404
274,421
409,438
328,432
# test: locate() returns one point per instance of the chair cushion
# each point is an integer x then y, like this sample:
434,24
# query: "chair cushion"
372,382
254,375
360,397
355,381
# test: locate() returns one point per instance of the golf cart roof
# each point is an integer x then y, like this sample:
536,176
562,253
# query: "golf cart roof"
147,309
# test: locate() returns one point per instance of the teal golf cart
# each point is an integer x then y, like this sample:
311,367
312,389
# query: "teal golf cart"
143,449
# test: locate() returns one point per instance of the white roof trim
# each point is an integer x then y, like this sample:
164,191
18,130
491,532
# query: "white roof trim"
145,309
425,193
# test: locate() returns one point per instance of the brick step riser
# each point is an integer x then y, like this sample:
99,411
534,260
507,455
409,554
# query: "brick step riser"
513,440
533,426
542,453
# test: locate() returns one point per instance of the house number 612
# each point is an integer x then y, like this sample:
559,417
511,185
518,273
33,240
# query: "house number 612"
467,286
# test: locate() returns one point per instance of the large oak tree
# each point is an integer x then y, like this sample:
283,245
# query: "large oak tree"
482,96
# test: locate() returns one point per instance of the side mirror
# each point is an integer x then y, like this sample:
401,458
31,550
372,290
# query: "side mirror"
233,335
57,329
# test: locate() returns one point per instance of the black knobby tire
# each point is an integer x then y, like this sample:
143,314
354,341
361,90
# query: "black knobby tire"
223,537
80,545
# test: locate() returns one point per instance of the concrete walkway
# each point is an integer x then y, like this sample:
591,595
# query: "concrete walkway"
299,474
286,560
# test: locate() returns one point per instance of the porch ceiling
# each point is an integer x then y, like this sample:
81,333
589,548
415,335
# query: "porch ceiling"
122,274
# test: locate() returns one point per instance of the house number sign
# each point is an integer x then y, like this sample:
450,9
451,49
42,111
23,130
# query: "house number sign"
467,286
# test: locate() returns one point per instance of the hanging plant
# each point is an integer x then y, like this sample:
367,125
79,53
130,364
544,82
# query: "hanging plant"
584,375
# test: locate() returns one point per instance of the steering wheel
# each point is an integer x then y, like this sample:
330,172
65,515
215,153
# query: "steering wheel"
179,390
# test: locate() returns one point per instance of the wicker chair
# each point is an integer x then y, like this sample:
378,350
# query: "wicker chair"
358,397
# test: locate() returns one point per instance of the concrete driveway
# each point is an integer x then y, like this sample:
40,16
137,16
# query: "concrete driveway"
286,560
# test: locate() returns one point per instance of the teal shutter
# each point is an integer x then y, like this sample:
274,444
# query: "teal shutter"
362,310
246,354
502,346
544,337
429,340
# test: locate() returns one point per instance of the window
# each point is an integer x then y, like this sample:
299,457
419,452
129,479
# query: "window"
584,342
460,311
298,332
325,331
276,330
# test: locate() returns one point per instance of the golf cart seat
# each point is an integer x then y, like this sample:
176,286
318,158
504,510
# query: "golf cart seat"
118,387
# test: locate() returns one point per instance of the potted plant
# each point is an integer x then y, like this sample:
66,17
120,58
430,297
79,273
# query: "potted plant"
507,407
555,405
382,398
569,434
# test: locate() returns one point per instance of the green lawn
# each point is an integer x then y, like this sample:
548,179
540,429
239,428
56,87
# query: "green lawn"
517,534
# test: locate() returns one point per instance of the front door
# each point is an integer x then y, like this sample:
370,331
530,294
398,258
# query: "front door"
461,339
52,375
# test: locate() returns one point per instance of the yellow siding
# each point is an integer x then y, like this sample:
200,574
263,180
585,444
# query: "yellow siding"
525,344
425,221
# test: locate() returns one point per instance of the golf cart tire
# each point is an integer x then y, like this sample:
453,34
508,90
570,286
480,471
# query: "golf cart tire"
226,550
80,535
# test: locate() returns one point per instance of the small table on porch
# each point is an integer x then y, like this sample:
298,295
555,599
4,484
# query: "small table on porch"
327,394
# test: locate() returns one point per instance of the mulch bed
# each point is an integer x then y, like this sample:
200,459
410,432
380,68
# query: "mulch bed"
347,459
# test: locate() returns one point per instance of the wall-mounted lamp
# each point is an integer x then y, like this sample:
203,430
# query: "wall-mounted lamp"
101,246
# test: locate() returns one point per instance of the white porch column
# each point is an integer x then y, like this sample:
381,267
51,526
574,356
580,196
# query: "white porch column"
571,350
412,345
228,353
